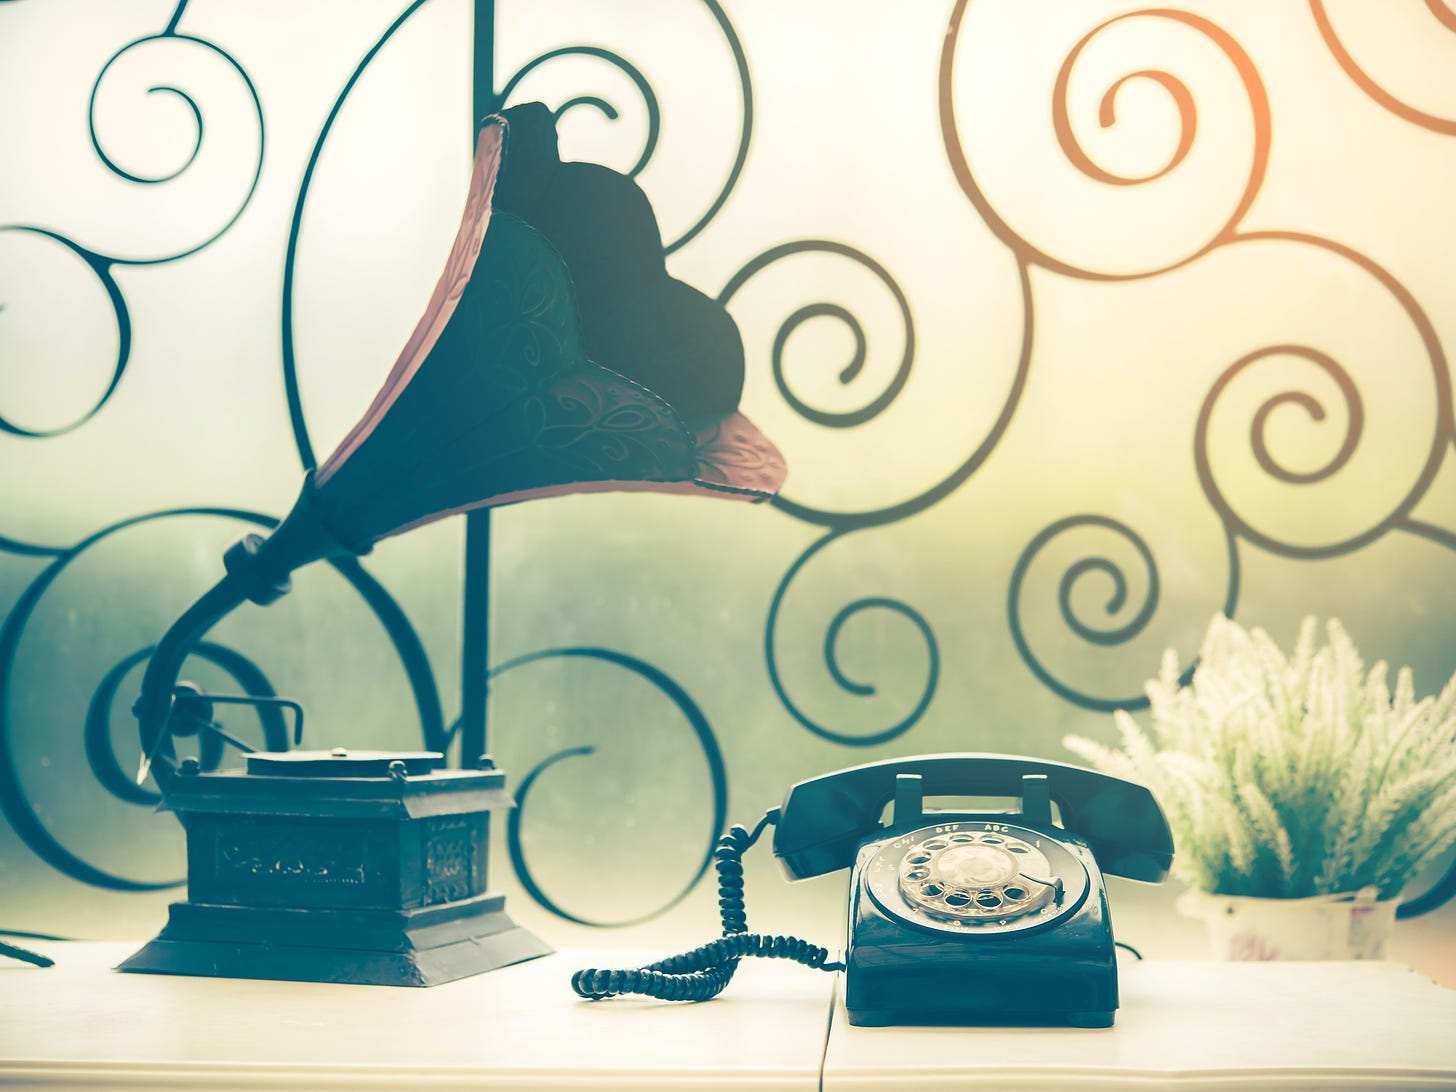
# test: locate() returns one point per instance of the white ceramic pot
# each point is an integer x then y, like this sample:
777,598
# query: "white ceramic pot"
1355,925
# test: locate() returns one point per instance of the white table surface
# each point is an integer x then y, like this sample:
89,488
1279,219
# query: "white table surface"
1190,1025
80,1025
1182,1025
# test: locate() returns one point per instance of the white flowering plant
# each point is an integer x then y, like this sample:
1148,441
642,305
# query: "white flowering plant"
1292,776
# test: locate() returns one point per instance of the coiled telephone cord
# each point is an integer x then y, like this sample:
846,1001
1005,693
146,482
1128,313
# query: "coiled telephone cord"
705,971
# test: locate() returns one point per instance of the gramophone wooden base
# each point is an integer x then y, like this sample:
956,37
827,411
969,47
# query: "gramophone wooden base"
421,947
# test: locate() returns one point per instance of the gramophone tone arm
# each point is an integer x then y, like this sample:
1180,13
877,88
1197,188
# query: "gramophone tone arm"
153,707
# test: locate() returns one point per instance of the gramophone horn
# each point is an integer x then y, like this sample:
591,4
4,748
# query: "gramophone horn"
555,355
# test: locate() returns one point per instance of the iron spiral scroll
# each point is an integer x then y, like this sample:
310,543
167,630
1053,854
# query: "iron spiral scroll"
1085,583
107,767
1226,237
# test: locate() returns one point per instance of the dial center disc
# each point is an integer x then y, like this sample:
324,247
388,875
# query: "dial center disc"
976,865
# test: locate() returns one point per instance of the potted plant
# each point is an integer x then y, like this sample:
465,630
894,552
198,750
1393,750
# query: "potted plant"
1302,793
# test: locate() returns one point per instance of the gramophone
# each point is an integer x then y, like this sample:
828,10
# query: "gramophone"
555,356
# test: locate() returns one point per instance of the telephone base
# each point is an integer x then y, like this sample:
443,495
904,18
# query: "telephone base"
419,947
902,966
884,1018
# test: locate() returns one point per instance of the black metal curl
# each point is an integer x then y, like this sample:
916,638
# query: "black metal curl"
176,17
290,367
15,546
1445,432
851,521
1115,603
171,35
100,264
1441,536
407,646
1367,83
712,755
831,660
705,971
1437,895
745,85
839,523
1025,250
1400,517
115,168
654,113
829,310
13,801
1354,426
616,60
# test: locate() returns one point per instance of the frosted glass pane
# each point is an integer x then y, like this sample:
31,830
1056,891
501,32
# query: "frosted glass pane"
1075,328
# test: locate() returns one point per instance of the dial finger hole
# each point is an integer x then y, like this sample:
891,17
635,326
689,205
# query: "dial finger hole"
934,845
957,899
918,859
917,875
988,900
931,890
1015,894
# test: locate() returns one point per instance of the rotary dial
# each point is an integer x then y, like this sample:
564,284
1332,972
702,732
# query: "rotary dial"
975,877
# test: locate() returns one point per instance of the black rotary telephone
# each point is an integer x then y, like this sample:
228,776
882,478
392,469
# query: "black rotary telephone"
955,917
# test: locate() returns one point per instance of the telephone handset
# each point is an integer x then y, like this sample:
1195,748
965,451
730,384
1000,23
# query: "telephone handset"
955,917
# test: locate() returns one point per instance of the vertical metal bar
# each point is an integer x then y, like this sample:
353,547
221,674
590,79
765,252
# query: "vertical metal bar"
475,638
483,80
475,609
